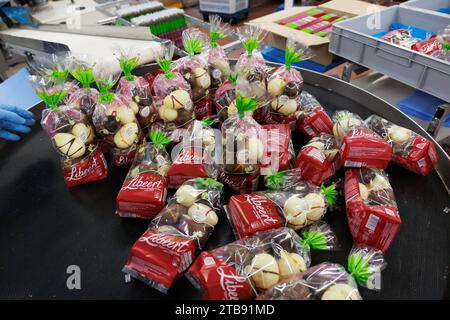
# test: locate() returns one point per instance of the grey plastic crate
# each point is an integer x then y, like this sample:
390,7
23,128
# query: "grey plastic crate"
429,5
353,39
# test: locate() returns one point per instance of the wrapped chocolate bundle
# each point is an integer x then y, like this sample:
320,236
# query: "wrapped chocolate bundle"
242,148
330,281
409,149
372,212
172,95
444,40
360,146
143,193
114,119
193,157
279,148
72,135
285,85
85,98
136,90
293,206
319,159
312,119
242,269
401,37
195,72
166,250
218,65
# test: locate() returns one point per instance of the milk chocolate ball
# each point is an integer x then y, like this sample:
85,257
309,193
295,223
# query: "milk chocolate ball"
69,145
126,136
399,135
171,214
276,86
201,213
84,132
178,99
341,291
187,195
167,114
290,264
293,89
202,78
317,206
263,271
342,127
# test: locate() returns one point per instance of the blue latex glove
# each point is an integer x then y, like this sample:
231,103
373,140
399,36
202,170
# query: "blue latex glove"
14,119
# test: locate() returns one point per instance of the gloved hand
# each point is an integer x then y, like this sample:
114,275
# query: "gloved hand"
14,119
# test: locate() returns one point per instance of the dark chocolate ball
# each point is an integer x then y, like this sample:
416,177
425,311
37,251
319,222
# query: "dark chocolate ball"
172,214
111,124
255,75
293,89
184,116
366,176
383,197
87,105
188,75
171,89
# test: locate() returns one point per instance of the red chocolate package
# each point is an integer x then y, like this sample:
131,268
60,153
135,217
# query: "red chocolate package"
114,119
429,46
166,250
136,90
279,148
72,135
195,72
409,149
401,37
319,159
194,154
242,269
312,117
143,193
294,206
360,146
372,212
285,85
243,148
173,95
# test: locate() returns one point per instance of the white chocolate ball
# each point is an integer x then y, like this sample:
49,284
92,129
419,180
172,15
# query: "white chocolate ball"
331,153
69,145
202,78
84,132
178,99
290,264
363,192
186,195
134,107
125,114
264,271
126,136
316,144
167,114
342,127
295,209
399,135
255,148
163,169
379,183
284,106
276,86
341,291
317,206
206,136
232,109
201,213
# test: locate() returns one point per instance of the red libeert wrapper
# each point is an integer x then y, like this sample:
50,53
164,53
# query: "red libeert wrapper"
372,212
278,146
91,168
428,46
242,269
363,148
319,160
409,149
313,119
143,192
176,234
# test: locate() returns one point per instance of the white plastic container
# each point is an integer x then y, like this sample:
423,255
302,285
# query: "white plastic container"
223,6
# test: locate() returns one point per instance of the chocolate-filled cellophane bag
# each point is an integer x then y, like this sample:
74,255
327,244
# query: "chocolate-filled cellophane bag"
136,89
409,149
194,69
173,95
312,119
293,206
85,98
330,281
218,64
225,96
194,156
242,148
285,85
71,134
278,146
176,235
360,147
242,269
114,119
444,39
319,159
143,193
372,211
